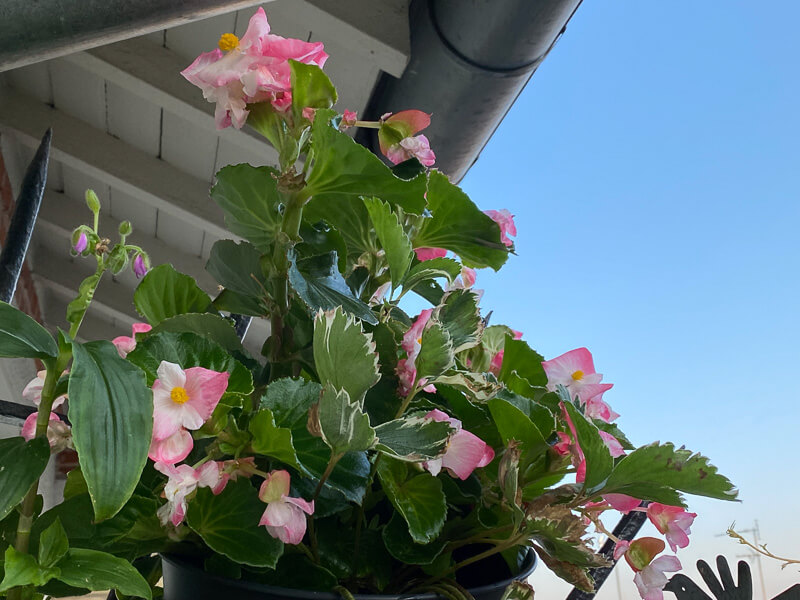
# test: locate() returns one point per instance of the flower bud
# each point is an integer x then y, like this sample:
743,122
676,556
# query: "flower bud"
80,243
125,228
141,265
92,201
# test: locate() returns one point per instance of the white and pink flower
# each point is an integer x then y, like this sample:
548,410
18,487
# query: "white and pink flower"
183,481
252,69
398,140
673,521
412,343
125,344
465,451
575,371
649,578
506,222
284,516
59,434
33,390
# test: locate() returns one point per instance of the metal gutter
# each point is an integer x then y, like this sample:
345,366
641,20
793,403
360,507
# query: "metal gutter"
470,59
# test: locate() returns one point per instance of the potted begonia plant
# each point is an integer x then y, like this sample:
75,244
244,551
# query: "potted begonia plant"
365,450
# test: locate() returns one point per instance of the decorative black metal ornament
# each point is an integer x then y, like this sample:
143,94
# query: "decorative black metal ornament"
22,222
723,588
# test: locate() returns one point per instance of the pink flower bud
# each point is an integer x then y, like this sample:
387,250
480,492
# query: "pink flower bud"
81,244
139,266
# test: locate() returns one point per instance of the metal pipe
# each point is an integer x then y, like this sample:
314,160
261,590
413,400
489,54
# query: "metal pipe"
24,219
33,31
470,59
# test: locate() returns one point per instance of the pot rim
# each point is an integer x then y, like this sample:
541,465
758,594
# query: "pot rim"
528,566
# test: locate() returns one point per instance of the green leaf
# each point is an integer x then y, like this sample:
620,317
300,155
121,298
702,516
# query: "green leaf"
478,386
270,440
249,198
436,352
651,471
290,400
460,315
344,426
598,458
320,285
519,358
413,438
351,220
460,226
344,167
53,544
419,499
208,325
393,238
164,293
21,464
111,410
344,355
311,88
228,523
22,569
191,350
428,270
229,301
77,308
321,238
514,424
237,267
95,570
22,337
402,546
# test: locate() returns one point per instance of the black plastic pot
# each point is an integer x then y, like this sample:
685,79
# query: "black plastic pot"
184,581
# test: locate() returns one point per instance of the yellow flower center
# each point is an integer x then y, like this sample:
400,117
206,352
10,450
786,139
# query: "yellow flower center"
228,42
179,395
577,375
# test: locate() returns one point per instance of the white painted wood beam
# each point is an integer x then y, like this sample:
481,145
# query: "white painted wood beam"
100,155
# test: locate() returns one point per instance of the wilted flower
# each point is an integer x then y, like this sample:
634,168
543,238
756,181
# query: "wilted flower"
506,222
59,434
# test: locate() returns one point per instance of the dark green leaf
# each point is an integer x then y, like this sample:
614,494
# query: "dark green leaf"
419,499
393,239
460,315
311,88
53,544
318,282
289,400
94,570
208,325
228,523
111,410
164,293
22,569
519,358
321,238
229,301
343,167
402,546
21,464
270,440
430,269
22,337
296,571
413,438
249,198
647,471
351,220
237,267
460,226
598,458
436,352
344,355
514,424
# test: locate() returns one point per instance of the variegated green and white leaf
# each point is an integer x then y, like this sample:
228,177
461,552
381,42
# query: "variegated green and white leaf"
344,427
460,315
413,438
436,354
431,269
344,355
477,386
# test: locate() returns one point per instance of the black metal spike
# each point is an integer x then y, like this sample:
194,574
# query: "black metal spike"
24,219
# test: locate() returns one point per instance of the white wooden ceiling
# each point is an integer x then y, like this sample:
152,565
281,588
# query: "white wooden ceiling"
126,124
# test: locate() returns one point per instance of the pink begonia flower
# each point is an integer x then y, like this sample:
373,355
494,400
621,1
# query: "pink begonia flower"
81,244
651,580
379,294
59,434
33,390
183,480
231,470
424,254
412,342
596,408
575,371
464,281
497,362
620,548
673,521
172,449
506,222
139,266
622,502
465,451
613,445
126,344
398,140
184,399
283,517
309,113
564,444
349,119
252,69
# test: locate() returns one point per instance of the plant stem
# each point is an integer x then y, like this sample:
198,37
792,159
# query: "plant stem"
328,470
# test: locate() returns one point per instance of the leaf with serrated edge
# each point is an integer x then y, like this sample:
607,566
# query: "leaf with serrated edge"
394,240
344,355
345,428
270,440
460,315
436,352
164,293
413,438
431,269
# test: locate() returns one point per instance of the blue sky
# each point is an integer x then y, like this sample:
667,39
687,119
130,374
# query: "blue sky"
656,194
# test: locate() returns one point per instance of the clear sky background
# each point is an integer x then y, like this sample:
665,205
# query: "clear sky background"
653,167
